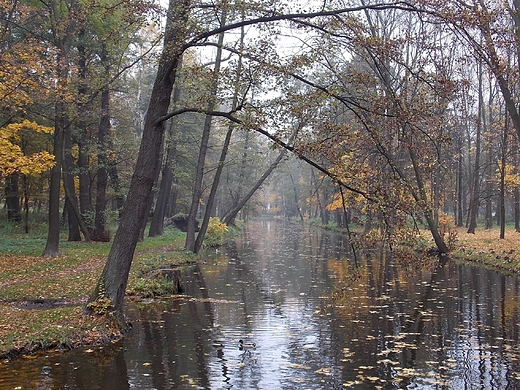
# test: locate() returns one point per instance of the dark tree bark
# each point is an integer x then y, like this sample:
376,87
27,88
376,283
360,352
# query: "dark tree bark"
114,277
63,40
52,247
163,195
12,198
85,203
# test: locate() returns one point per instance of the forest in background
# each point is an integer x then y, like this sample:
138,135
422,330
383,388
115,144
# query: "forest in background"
389,116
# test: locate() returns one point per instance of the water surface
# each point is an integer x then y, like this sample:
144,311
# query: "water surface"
396,326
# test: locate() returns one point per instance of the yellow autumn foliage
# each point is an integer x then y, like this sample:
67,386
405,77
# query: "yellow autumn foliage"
15,158
511,178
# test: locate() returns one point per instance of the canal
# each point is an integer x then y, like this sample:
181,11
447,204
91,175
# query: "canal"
391,326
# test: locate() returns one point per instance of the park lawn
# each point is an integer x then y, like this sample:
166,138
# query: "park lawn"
41,299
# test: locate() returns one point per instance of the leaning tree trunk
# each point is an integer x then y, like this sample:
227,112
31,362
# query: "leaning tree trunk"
110,290
213,192
199,175
422,200
230,216
157,222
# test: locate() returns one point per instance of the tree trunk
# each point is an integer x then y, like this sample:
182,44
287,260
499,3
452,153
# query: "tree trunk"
12,198
26,203
100,233
475,188
216,179
163,196
502,193
502,202
68,184
422,200
63,42
199,175
460,184
85,203
211,198
516,206
296,200
489,164
112,283
229,218
115,184
52,247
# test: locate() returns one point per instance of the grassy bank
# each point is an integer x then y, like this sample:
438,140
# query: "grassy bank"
41,299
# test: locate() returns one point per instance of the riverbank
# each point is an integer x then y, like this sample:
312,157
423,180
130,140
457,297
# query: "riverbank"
486,248
41,299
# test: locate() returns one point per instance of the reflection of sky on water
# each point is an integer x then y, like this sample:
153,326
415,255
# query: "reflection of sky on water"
278,316
397,327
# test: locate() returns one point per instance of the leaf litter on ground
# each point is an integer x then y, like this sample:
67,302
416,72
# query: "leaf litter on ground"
41,299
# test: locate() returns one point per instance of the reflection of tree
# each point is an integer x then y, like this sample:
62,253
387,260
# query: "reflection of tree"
449,323
173,330
199,323
100,369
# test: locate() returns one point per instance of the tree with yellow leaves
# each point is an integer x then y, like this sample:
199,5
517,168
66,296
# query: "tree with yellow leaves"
22,154
19,144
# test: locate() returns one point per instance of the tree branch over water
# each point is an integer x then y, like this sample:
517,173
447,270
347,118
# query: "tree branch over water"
229,115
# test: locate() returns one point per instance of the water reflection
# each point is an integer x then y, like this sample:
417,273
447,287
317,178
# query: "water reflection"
453,327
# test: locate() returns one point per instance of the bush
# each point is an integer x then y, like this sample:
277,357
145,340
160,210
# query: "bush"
216,233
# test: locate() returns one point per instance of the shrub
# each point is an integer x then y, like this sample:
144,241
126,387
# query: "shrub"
216,232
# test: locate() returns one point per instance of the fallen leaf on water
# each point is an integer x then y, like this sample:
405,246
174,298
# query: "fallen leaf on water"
324,371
